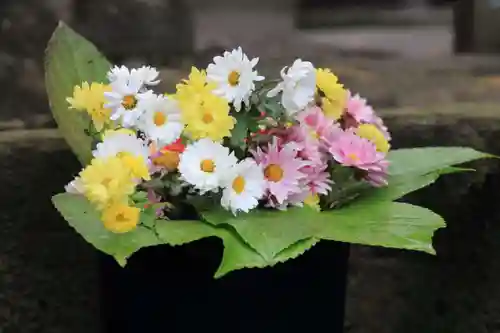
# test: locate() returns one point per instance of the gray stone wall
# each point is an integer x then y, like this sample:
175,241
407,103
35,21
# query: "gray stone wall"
142,31
48,274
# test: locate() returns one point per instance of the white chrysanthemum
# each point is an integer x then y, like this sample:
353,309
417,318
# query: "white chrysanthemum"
161,120
75,186
298,86
118,73
244,186
121,143
128,90
149,75
234,75
204,164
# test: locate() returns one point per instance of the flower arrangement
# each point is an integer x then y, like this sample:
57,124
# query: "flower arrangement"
270,167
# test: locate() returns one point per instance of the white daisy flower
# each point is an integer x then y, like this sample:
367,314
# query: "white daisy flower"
298,86
161,120
244,186
75,186
121,143
204,164
234,75
118,73
149,75
128,90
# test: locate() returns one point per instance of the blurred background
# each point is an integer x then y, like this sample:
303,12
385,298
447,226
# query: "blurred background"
382,48
431,67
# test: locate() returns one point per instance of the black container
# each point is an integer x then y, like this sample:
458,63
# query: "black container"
172,289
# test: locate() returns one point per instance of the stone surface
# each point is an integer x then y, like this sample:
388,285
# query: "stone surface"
48,274
256,25
139,31
150,31
476,24
456,291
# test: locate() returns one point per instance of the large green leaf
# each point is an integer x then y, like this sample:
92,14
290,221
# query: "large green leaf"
420,161
268,231
80,214
238,255
387,224
70,59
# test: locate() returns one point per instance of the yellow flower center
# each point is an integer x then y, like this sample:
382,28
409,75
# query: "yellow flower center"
273,172
238,184
105,182
207,166
207,118
159,118
121,218
353,157
233,78
129,102
169,160
314,134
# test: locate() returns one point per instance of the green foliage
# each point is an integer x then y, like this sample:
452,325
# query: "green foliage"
70,59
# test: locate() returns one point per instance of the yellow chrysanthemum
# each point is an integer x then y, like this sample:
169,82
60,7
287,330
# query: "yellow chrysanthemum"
372,133
120,218
195,86
90,98
312,201
207,117
107,181
205,114
136,165
331,93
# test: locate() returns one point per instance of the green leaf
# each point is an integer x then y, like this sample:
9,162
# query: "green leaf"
415,168
420,161
269,232
245,122
179,232
237,255
148,217
69,60
80,215
240,131
387,224
140,197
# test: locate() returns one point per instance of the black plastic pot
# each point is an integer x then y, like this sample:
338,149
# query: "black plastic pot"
172,289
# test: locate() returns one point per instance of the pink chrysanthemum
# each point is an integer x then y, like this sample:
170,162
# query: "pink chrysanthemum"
316,182
357,110
318,179
353,151
307,149
281,170
378,178
314,121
